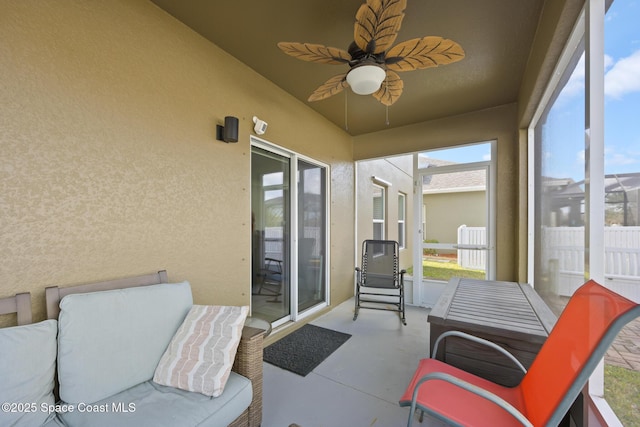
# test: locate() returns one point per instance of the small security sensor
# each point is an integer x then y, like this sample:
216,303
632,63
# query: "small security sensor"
260,127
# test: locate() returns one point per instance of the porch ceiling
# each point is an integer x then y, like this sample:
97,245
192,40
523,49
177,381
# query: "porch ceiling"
496,35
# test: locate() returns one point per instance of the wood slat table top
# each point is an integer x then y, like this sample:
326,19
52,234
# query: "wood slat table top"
500,308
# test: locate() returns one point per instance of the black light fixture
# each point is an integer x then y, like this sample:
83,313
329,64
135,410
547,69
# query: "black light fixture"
228,132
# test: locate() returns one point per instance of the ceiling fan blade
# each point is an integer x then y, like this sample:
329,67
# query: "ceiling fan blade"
377,24
390,90
315,52
329,88
423,53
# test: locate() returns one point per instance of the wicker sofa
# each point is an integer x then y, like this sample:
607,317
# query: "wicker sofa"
110,337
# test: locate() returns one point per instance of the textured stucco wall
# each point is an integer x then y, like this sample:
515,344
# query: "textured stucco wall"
109,165
398,171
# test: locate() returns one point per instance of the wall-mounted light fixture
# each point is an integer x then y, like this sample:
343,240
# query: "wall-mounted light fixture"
380,181
228,132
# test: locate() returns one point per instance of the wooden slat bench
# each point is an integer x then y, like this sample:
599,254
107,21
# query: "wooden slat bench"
510,314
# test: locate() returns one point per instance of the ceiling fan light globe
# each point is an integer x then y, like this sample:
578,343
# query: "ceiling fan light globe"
366,79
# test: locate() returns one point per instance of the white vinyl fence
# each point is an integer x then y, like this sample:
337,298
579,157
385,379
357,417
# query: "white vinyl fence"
563,255
468,258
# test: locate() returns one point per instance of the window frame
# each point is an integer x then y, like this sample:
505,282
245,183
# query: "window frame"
380,221
402,220
589,29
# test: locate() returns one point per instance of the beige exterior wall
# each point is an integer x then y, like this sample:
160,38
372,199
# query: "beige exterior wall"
109,162
499,124
445,212
398,171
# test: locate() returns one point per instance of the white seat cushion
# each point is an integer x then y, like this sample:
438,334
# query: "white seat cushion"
150,404
113,340
27,369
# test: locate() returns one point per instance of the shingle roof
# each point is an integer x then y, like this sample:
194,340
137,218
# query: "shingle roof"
473,180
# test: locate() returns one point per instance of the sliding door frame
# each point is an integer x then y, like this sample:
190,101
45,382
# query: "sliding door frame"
294,313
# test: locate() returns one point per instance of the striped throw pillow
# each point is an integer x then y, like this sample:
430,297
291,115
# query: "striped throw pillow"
201,353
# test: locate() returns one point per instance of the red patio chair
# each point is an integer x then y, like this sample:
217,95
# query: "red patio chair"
583,333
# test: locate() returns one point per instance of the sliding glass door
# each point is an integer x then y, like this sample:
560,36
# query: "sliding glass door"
271,242
312,232
289,234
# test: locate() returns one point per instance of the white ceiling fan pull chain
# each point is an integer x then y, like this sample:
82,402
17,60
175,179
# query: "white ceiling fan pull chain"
386,82
346,110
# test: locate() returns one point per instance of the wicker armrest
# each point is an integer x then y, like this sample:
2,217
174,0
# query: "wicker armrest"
248,363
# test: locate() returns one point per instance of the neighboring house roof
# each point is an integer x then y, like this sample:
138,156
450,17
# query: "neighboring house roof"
622,182
452,182
563,188
566,188
549,182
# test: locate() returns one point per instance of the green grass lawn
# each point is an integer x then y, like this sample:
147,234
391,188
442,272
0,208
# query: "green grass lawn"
622,391
445,269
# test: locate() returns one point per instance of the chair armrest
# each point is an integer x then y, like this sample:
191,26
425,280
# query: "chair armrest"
479,341
248,363
471,388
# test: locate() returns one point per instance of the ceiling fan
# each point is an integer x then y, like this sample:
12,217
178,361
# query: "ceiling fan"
372,60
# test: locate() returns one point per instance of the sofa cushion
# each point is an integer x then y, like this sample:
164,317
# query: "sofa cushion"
201,353
27,369
150,404
110,341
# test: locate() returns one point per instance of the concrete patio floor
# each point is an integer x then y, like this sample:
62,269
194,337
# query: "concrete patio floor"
362,381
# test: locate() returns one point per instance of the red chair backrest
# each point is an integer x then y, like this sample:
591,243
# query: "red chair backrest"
583,328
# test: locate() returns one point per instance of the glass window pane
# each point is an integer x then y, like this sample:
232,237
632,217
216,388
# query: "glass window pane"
401,220
378,231
273,178
559,204
270,234
311,234
378,212
378,203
